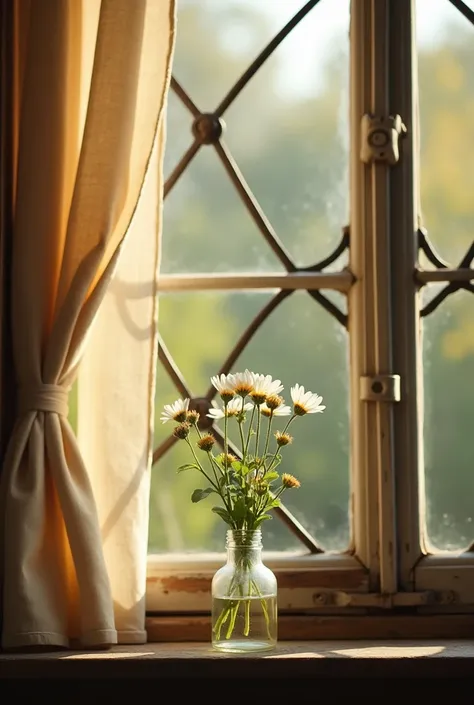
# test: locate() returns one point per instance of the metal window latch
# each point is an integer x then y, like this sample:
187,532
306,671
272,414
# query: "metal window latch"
380,388
379,138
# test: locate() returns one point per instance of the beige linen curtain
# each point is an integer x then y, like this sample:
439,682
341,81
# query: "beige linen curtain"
92,82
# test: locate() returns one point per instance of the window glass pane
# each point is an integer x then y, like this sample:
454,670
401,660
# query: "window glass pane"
198,346
178,132
448,357
200,330
298,342
216,41
445,56
207,227
302,343
446,84
287,131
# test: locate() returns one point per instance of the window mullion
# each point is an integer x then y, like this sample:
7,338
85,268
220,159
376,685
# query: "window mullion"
405,299
370,301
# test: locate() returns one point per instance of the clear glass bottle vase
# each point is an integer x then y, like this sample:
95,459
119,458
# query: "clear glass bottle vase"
244,597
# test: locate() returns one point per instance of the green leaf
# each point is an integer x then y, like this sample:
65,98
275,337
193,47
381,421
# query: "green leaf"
269,476
188,466
262,518
274,503
223,513
239,468
197,495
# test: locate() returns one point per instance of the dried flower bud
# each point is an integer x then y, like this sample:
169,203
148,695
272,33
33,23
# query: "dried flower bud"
261,488
274,401
192,417
182,431
206,442
283,439
289,481
226,459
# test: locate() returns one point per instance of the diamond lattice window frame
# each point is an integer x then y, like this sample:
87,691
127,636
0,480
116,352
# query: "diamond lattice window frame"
387,583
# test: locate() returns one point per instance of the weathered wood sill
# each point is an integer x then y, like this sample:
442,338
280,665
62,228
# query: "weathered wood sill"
434,659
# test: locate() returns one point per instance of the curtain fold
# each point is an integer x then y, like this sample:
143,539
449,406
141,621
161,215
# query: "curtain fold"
120,361
94,80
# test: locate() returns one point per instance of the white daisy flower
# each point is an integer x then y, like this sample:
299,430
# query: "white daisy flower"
234,407
177,411
224,385
265,386
282,410
243,382
305,402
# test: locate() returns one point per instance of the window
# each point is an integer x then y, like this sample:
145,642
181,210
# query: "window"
327,225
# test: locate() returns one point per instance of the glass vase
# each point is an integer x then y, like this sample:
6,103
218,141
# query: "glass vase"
244,597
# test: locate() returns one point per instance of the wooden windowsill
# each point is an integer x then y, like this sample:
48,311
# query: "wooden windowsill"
290,660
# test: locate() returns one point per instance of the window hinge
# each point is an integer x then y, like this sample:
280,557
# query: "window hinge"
380,388
380,137
384,601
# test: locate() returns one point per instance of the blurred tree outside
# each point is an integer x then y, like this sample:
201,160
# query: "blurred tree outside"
292,147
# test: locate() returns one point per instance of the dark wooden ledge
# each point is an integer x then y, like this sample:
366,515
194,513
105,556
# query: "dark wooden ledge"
291,660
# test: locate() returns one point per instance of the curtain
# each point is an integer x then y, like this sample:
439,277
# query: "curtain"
92,81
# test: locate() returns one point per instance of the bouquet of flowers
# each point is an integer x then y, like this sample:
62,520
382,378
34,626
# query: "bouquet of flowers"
248,485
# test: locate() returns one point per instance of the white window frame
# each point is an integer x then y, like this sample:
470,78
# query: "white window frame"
388,566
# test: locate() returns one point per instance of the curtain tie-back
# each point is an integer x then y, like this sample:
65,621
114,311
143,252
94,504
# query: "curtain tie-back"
44,397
